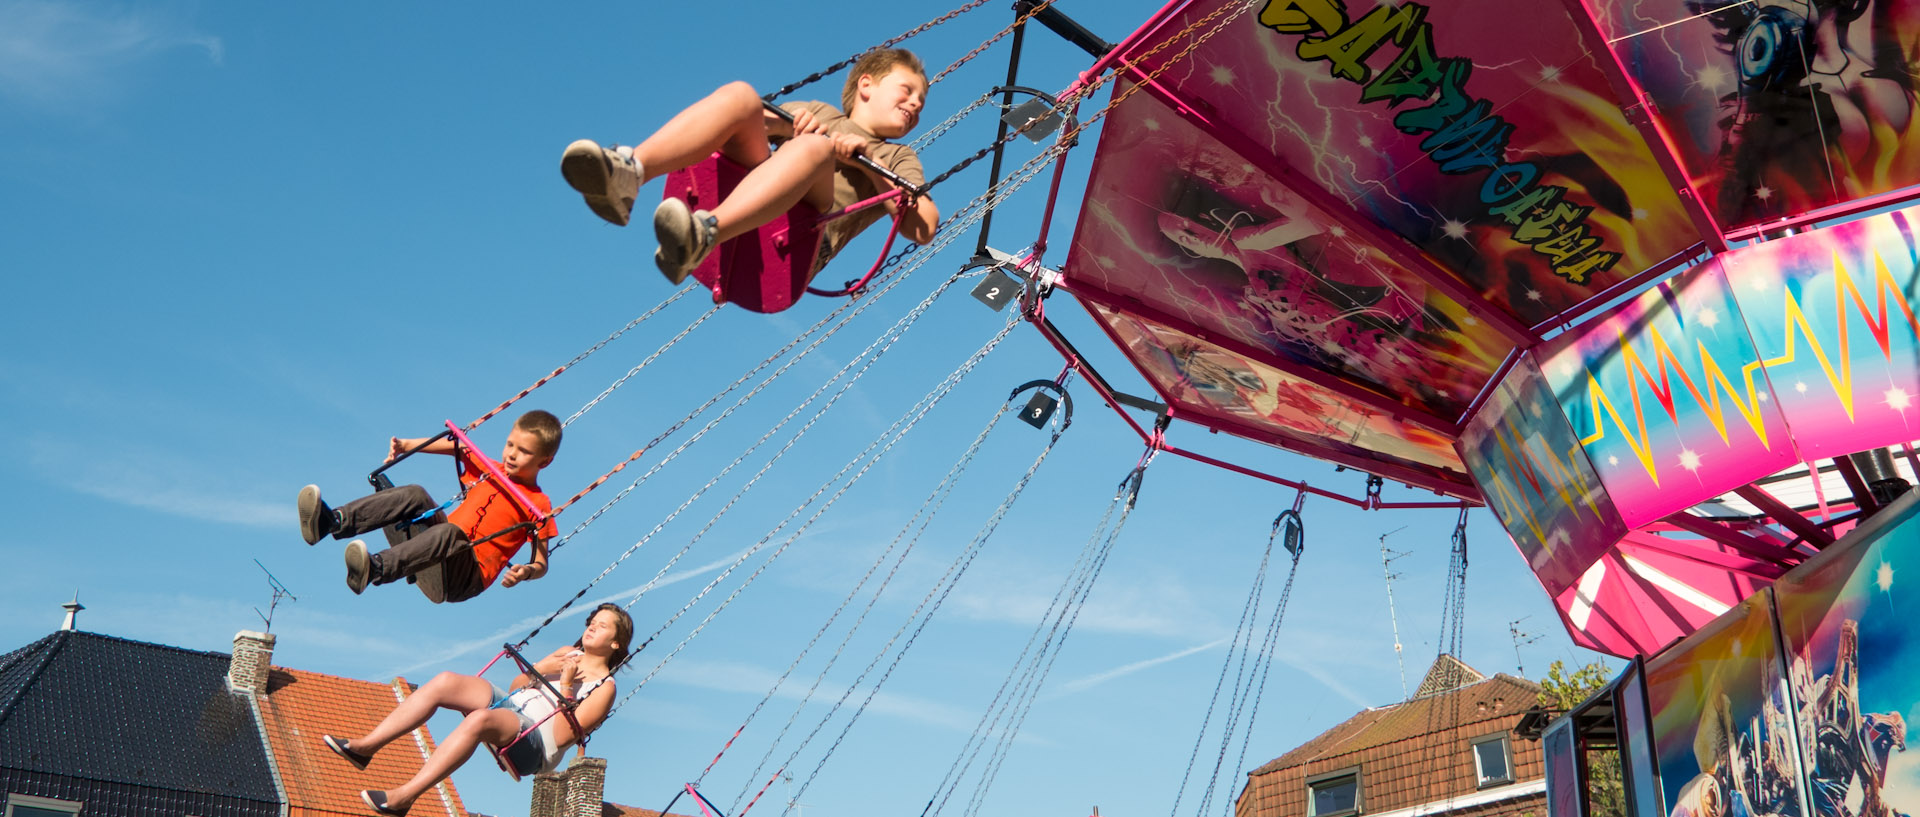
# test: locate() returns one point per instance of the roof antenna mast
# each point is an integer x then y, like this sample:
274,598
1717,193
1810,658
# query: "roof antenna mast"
1521,638
1387,558
279,591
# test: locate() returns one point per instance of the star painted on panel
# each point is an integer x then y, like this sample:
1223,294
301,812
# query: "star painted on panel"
1337,231
1800,386
1713,78
1534,295
1640,213
1898,399
1470,321
1549,73
1222,75
1367,141
1689,460
1763,192
1761,397
1613,460
1103,260
1883,578
1453,228
1708,317
1757,284
1151,124
1565,367
1246,167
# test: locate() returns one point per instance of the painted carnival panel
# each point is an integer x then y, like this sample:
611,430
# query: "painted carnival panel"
1668,396
1534,475
1777,107
1177,221
1832,313
1721,719
1218,383
1850,638
1483,132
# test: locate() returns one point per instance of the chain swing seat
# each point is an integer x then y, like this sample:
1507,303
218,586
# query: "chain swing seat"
767,269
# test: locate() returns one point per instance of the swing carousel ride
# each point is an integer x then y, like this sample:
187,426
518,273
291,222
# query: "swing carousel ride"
1640,281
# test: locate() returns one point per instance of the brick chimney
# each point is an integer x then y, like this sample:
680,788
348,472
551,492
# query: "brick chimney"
579,791
252,661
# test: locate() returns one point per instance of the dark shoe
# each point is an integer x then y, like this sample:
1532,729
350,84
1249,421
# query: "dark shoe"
432,582
686,238
608,178
339,747
377,800
359,567
316,519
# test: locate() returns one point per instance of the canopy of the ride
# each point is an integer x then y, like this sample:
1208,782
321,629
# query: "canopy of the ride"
1530,254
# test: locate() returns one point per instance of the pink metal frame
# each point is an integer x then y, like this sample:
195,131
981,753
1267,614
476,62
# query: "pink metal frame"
499,477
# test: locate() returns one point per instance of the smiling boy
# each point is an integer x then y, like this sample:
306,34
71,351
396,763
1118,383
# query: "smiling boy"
453,557
884,93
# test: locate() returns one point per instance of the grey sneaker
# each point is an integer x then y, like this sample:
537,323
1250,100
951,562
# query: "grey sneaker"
359,567
608,178
316,519
686,238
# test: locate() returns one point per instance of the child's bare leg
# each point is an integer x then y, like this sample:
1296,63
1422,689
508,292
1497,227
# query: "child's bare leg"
450,690
803,168
493,726
730,120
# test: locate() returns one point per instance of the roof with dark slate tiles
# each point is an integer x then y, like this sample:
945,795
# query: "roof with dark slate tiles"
115,711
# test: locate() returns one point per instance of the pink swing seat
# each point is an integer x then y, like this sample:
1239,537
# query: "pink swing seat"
763,271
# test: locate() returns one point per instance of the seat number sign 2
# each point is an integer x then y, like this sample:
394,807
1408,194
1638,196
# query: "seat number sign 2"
997,290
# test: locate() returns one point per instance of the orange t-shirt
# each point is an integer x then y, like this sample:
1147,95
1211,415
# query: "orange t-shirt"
487,509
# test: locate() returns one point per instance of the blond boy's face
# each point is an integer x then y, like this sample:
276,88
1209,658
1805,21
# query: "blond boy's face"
522,457
889,106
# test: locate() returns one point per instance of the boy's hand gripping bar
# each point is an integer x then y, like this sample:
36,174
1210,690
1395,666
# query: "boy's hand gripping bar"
912,190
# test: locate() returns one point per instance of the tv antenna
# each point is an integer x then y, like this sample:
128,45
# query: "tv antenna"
279,591
1521,638
798,808
1387,558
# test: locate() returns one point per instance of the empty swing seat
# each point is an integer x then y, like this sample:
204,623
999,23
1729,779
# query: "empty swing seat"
765,270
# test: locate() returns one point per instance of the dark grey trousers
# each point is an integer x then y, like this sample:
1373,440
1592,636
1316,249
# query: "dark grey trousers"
415,547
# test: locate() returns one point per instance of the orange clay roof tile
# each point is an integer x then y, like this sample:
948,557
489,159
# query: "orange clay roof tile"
300,706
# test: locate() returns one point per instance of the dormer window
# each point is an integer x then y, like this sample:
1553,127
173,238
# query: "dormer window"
1334,795
1492,761
26,805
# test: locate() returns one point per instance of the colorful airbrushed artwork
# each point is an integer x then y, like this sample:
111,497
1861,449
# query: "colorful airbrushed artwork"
1721,719
1535,477
1776,107
1832,314
1484,133
1217,386
1667,394
1855,671
1185,227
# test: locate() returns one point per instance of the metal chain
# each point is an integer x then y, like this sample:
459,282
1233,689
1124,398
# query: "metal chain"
923,515
576,359
1267,649
825,72
644,362
1242,627
968,57
936,596
920,144
951,576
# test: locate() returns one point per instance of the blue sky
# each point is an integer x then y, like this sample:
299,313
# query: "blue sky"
245,243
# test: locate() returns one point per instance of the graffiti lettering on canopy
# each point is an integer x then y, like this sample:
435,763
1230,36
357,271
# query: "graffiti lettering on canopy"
1463,134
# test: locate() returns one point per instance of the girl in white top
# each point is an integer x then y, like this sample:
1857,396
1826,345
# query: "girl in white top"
585,667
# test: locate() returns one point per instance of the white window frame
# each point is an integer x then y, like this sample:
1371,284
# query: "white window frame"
1482,781
1359,791
46,803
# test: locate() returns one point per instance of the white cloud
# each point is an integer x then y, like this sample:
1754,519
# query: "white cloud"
732,676
55,52
1098,678
154,480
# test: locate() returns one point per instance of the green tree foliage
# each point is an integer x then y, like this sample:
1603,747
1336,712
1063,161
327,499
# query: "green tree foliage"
1563,690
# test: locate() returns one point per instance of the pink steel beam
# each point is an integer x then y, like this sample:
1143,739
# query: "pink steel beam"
1766,571
1630,284
1153,25
1830,213
1302,486
1639,111
1784,515
1394,245
1366,397
1486,391
1752,546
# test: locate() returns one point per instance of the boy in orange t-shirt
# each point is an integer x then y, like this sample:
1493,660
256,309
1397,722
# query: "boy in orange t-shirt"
453,557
